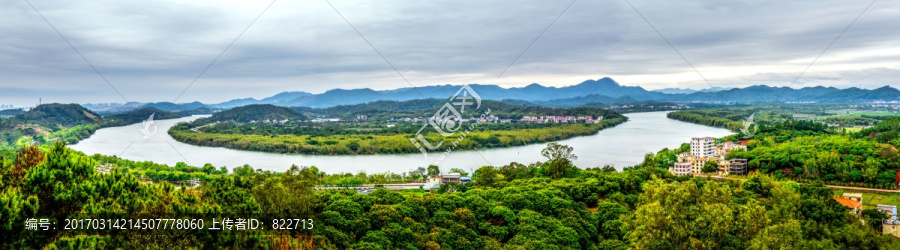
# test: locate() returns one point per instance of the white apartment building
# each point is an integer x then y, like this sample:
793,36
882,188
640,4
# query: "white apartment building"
703,147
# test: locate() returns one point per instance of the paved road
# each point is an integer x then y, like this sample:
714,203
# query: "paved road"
864,189
829,186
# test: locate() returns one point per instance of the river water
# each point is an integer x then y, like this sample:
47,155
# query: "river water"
622,145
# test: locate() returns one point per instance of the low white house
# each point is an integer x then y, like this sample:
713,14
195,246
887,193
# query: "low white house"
435,181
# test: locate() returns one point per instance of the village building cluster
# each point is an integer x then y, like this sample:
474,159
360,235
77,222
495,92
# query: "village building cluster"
489,118
703,150
524,119
560,119
274,121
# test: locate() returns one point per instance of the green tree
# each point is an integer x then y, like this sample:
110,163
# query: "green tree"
208,168
434,170
873,218
460,171
485,176
710,166
782,236
560,159
245,170
296,181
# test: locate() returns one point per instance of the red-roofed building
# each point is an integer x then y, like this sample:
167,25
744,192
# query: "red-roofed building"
897,181
855,205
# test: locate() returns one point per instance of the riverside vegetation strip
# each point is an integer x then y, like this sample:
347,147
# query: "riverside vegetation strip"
379,134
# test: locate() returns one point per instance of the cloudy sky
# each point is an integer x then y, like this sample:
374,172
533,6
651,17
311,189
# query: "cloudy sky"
153,50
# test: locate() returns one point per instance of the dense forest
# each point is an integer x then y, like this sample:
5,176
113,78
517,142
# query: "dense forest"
551,205
255,112
10,112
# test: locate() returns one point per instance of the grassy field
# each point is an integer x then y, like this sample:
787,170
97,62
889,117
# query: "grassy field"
872,199
860,112
855,129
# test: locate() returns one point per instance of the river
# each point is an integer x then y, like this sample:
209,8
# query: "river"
622,145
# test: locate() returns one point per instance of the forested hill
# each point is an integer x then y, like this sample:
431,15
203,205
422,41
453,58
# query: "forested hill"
55,115
10,112
58,114
382,110
67,122
258,112
138,115
45,121
380,107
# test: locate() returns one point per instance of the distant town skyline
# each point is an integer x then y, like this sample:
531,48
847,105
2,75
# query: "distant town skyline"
151,51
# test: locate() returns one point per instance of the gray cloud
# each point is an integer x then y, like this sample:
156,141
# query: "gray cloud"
152,50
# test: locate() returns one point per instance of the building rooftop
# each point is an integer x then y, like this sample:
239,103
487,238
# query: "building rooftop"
849,203
852,195
450,175
890,222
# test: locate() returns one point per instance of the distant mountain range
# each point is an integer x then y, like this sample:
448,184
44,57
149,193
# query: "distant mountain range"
604,90
687,91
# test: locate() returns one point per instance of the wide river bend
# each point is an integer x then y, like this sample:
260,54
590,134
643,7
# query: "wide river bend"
622,145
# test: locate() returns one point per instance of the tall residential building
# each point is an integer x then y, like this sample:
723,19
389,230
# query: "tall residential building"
703,147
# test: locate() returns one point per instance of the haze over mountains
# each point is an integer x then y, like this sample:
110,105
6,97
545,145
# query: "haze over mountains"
604,90
687,90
